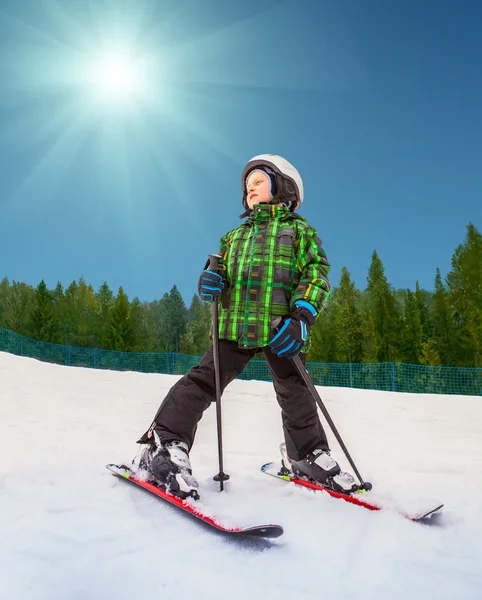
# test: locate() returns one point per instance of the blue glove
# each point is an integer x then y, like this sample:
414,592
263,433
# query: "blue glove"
210,285
292,332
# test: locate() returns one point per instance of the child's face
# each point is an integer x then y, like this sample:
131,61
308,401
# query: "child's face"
258,188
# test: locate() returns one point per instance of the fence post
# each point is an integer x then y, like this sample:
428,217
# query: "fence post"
68,356
393,377
172,363
95,358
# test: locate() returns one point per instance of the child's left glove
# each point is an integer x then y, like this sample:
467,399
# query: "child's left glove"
293,330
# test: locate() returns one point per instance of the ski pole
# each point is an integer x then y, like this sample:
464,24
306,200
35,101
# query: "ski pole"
366,485
221,476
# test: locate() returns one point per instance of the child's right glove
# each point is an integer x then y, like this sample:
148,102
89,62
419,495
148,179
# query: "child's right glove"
210,285
292,331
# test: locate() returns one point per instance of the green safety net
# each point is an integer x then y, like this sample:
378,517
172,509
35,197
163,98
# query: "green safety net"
393,377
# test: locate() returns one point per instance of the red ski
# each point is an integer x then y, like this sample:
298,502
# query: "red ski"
363,499
195,508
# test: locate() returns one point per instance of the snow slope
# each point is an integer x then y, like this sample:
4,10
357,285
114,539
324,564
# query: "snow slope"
69,530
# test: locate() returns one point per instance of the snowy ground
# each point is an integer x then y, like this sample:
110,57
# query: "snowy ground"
69,530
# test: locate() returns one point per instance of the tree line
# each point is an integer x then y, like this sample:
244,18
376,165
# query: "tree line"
81,316
378,324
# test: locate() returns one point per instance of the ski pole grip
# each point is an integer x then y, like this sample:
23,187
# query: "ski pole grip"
275,323
214,262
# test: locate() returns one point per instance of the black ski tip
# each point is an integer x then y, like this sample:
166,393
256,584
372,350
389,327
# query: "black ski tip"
432,517
263,531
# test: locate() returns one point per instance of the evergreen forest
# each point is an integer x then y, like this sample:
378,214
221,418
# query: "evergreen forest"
378,324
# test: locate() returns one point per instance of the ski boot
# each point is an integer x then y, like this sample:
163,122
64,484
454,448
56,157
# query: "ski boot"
169,466
319,467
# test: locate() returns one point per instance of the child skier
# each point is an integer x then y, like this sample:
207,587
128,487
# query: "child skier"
272,265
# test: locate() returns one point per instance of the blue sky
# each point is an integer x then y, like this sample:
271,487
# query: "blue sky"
378,104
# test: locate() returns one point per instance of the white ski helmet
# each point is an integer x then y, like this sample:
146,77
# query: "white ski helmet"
289,184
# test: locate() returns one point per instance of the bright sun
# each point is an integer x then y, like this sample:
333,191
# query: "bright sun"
115,78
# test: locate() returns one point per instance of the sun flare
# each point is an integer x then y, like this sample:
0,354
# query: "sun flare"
115,78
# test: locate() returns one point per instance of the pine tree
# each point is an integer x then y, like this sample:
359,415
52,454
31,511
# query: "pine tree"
144,339
201,325
120,333
412,332
104,303
19,307
176,318
69,311
430,355
86,315
58,293
383,311
186,344
442,333
58,298
347,324
370,346
4,300
324,341
465,296
194,309
163,325
43,325
426,322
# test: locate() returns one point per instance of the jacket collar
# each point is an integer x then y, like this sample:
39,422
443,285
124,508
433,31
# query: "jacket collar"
268,211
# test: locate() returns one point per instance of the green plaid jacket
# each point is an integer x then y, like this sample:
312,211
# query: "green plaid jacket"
270,261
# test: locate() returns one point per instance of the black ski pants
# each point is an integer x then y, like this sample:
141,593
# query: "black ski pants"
183,407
